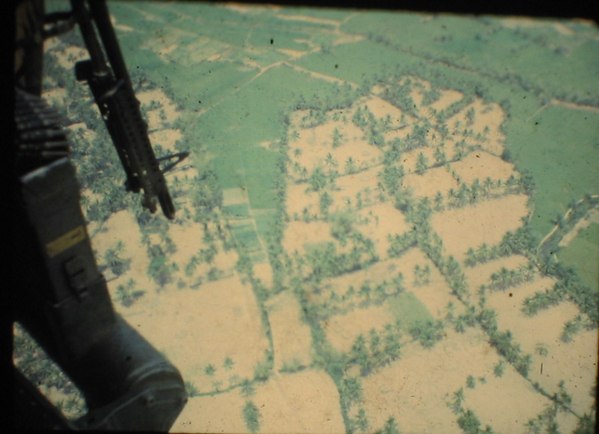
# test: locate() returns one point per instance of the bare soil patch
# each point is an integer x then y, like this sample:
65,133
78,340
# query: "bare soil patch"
342,330
298,200
510,395
431,182
485,222
56,98
573,362
448,97
263,271
303,402
509,303
292,339
122,227
480,165
415,389
298,234
381,109
188,238
292,53
197,328
221,413
308,19
436,294
380,221
166,138
350,187
316,143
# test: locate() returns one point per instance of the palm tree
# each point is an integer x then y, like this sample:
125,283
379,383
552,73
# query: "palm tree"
251,414
440,157
351,390
458,398
390,427
361,421
471,258
350,166
469,422
439,202
421,164
330,161
499,369
482,253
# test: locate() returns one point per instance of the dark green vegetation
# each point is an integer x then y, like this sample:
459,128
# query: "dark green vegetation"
39,368
583,254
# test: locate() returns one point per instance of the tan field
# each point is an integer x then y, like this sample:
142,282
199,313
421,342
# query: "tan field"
291,336
342,330
486,222
416,389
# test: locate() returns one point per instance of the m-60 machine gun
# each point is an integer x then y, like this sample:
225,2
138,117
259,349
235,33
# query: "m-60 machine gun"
62,299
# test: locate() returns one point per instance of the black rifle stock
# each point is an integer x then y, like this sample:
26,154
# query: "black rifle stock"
113,92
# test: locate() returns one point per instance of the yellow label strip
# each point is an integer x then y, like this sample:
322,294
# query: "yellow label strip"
66,241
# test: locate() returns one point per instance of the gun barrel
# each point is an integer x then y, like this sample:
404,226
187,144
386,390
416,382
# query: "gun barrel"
113,92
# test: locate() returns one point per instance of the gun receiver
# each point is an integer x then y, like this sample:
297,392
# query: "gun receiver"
111,86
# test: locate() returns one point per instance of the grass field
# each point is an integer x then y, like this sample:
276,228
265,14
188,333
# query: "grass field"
408,309
583,254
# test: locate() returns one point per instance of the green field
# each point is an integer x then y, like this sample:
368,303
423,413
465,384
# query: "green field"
559,147
408,309
583,254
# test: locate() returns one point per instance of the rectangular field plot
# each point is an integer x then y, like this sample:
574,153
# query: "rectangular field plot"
416,389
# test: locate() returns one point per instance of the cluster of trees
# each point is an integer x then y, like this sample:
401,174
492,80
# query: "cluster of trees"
367,294
467,319
572,327
565,223
568,285
326,262
114,261
341,97
477,192
32,361
422,275
467,419
251,416
546,421
542,300
127,294
455,108
373,128
401,243
376,350
398,92
160,269
428,333
504,278
519,242
504,344
314,118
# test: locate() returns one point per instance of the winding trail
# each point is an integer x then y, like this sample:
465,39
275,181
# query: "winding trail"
556,227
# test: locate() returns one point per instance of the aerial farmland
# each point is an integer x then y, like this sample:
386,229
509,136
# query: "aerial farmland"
387,223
